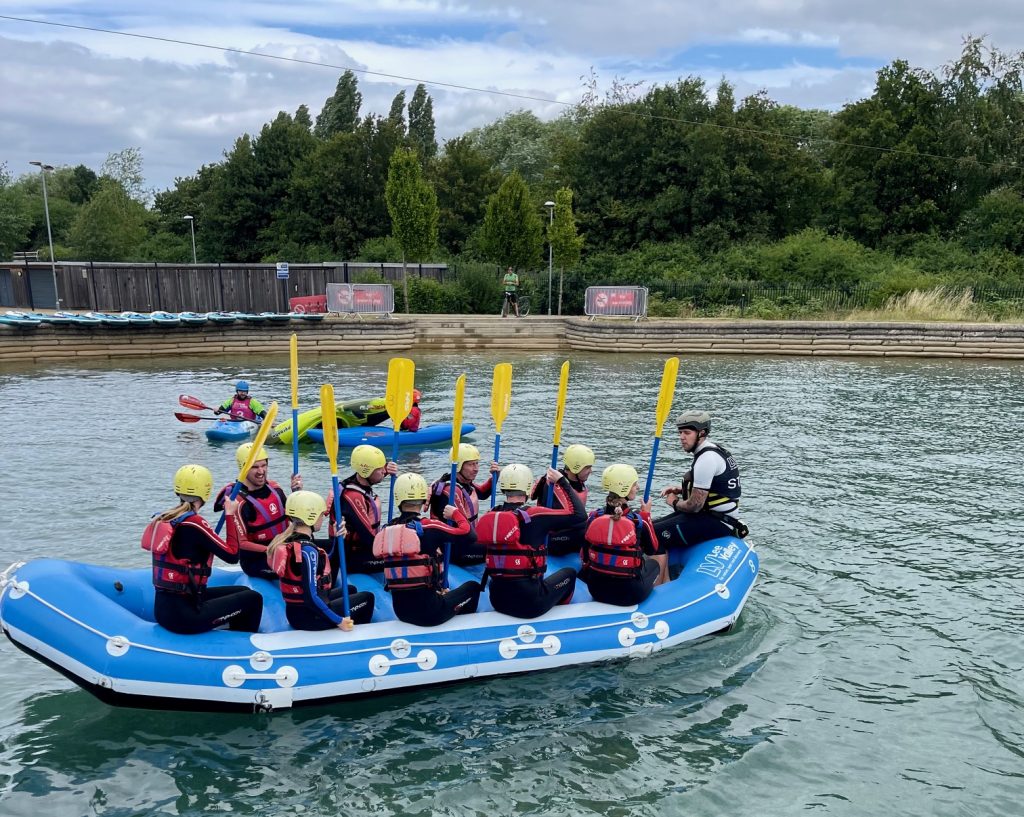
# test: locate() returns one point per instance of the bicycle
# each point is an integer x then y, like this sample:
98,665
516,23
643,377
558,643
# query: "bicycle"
524,306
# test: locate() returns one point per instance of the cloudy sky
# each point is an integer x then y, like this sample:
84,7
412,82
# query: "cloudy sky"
69,95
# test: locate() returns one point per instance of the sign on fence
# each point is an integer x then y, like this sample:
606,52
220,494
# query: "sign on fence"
361,299
308,304
282,270
622,301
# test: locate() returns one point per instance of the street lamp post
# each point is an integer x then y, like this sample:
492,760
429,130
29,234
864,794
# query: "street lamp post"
49,233
192,228
551,220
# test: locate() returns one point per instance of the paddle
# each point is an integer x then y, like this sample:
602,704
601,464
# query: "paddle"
293,348
195,418
330,426
460,390
194,403
257,445
665,394
198,405
563,387
398,401
501,399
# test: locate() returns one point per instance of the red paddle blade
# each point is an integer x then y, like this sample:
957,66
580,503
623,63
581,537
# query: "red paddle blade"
187,418
193,402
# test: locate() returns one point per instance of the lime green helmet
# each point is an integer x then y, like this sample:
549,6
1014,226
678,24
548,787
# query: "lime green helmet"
515,478
193,481
619,479
366,459
467,453
578,457
306,506
242,454
410,488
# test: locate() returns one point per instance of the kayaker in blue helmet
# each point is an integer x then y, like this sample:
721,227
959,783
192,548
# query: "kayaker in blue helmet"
241,405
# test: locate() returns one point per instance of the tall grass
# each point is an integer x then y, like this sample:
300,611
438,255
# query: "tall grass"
939,304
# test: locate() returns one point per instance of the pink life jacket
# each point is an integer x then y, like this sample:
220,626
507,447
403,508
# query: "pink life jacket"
241,408
405,566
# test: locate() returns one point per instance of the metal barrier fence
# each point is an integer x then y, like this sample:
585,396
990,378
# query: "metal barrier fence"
615,301
361,299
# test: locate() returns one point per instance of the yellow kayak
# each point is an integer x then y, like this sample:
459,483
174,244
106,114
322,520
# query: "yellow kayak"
350,413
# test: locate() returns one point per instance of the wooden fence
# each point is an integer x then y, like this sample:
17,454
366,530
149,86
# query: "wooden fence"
110,287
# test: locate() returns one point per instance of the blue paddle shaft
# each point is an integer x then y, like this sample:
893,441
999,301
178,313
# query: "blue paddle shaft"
650,470
494,479
295,441
339,543
451,501
554,464
233,495
391,493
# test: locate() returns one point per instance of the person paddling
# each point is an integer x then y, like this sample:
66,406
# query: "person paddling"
262,510
360,507
305,571
410,546
241,406
183,546
577,466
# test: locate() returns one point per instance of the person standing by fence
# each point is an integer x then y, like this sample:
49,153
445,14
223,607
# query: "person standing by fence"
511,284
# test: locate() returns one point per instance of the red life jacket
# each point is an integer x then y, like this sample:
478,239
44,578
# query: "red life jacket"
270,519
412,422
465,497
405,566
287,563
613,545
353,494
180,575
507,556
540,493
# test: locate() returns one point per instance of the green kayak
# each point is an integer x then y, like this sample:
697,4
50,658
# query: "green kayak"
350,413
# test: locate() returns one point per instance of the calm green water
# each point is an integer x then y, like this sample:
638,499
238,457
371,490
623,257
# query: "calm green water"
877,668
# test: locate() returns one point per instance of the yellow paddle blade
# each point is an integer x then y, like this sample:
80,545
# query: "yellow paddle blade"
501,394
563,387
293,348
668,390
460,390
330,425
398,396
261,437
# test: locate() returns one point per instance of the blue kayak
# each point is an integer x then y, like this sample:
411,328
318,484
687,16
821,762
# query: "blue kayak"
384,438
231,431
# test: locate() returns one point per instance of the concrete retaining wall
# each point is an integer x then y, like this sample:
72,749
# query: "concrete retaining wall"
338,336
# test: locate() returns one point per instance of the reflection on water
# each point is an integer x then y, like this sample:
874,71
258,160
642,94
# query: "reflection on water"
876,668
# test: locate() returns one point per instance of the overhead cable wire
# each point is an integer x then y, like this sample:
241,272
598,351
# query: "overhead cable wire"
756,132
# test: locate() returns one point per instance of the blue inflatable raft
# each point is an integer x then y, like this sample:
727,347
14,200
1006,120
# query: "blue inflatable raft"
95,625
384,438
230,430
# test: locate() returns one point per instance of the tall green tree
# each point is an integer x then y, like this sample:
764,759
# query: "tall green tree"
111,226
421,124
412,205
517,142
512,234
340,113
125,167
396,115
566,243
14,217
464,180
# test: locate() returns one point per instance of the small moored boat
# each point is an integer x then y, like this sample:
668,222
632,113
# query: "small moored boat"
384,438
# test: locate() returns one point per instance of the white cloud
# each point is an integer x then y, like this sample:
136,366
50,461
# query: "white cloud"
70,96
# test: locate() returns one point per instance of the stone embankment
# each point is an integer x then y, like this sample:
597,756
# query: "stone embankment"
346,336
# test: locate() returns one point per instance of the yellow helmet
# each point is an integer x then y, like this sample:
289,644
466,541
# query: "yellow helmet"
467,452
515,478
306,506
366,459
243,451
410,488
578,457
193,480
619,479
